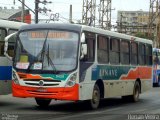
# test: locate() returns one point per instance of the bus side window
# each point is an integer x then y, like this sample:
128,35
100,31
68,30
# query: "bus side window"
11,45
114,55
148,54
142,54
90,40
3,34
103,49
134,53
125,55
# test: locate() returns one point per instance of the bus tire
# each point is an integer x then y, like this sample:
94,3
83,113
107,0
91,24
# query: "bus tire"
158,84
135,96
43,102
136,92
94,102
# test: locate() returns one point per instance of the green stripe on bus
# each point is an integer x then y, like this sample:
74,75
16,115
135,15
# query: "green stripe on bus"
109,72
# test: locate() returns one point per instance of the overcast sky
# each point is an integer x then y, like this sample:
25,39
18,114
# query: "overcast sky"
62,7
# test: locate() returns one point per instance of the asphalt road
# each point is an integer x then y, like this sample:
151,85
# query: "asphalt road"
148,108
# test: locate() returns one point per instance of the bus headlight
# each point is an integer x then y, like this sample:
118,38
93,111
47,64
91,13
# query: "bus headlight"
15,77
72,80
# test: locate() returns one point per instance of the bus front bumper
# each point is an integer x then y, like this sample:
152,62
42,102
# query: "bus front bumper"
59,93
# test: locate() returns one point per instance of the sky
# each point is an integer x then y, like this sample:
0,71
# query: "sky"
62,7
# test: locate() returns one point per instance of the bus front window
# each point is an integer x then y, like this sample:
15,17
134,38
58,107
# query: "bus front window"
46,50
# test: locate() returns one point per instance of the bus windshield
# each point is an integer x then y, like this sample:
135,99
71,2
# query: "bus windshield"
46,50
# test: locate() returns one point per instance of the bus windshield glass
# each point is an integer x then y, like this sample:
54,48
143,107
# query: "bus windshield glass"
46,50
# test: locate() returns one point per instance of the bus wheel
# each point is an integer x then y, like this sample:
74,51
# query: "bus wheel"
136,92
43,102
158,84
135,96
94,102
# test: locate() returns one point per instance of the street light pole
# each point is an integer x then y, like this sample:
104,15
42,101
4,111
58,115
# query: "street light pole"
22,14
36,11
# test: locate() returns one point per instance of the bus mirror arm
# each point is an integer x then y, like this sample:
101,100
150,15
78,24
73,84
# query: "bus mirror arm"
5,50
6,46
6,54
83,50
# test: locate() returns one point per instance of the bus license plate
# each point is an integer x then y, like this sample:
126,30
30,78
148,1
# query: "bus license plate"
41,90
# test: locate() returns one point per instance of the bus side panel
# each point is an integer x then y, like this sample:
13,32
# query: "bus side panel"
5,69
115,88
86,85
5,76
5,87
146,85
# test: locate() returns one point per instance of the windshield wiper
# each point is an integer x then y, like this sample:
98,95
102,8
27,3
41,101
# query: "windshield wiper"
43,49
42,53
50,61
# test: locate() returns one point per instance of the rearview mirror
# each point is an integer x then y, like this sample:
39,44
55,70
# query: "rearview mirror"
83,38
83,50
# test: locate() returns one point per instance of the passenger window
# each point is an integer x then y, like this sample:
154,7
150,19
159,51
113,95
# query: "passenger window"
134,53
148,54
102,50
142,54
3,34
114,51
90,41
125,49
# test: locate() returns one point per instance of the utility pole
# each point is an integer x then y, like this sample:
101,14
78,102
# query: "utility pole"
37,9
121,23
152,17
22,14
105,14
158,24
89,12
70,14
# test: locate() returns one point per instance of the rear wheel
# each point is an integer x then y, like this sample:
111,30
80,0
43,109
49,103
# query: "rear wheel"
136,92
43,102
158,84
135,96
94,102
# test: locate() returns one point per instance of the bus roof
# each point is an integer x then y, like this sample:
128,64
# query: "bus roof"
11,24
116,34
79,28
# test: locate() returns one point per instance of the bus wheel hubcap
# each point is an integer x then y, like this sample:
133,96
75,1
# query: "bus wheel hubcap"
95,97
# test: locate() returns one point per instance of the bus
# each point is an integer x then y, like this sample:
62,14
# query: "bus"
6,28
79,63
156,67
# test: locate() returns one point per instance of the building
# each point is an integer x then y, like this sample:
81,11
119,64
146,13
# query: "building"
132,22
14,14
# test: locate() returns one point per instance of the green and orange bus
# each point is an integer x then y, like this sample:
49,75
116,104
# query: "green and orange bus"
78,62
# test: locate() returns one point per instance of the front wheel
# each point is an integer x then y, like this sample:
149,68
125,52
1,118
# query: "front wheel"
94,102
43,102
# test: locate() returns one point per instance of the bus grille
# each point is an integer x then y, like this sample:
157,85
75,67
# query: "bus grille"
40,82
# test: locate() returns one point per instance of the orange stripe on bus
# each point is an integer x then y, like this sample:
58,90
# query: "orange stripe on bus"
139,72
